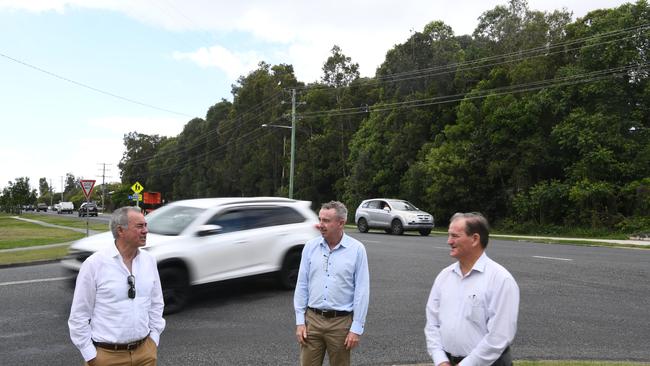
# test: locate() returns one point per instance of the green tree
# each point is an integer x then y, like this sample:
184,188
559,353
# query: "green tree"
43,187
139,149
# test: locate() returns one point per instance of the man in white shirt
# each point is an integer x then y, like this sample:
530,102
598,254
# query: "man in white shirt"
474,303
116,314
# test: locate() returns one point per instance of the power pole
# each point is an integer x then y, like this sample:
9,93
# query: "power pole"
51,192
103,183
62,189
293,141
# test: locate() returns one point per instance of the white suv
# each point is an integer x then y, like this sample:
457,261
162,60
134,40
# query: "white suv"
214,239
392,215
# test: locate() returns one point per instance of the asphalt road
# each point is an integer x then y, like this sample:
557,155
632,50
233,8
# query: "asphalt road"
576,303
101,218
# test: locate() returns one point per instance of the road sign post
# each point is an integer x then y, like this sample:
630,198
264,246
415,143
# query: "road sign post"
137,188
87,186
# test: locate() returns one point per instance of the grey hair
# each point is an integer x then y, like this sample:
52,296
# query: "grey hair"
475,223
120,217
339,207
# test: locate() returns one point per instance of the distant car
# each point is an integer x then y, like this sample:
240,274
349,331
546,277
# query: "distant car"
41,207
64,207
206,240
88,209
28,207
393,216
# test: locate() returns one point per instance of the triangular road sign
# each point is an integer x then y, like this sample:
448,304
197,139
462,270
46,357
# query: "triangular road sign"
87,186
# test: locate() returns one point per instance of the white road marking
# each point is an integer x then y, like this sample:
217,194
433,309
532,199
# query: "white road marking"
35,281
553,258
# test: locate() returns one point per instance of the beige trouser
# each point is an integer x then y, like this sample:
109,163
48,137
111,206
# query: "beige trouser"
145,355
325,334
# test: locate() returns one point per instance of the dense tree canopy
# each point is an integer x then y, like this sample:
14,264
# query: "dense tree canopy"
531,119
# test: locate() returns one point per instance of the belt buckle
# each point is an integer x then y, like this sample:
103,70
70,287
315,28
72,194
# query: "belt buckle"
131,346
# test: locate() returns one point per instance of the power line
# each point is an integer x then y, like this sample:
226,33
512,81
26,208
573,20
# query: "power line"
519,88
518,56
93,88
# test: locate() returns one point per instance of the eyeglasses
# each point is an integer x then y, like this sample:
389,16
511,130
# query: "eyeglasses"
131,281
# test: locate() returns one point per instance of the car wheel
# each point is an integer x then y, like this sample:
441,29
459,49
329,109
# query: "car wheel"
362,225
396,227
175,288
289,271
425,232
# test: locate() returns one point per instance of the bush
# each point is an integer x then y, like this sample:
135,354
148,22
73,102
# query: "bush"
634,225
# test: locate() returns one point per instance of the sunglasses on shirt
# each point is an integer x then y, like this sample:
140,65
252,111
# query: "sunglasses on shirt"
131,280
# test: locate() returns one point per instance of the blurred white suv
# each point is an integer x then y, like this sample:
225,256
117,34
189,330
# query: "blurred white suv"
207,240
393,216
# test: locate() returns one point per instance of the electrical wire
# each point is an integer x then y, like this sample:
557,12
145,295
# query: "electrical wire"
93,88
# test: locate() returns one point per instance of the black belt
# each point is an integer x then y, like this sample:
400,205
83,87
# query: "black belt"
455,360
330,313
121,346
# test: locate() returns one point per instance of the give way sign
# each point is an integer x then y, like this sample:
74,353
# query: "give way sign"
87,186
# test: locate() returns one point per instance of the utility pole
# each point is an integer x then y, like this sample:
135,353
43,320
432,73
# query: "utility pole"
293,141
103,183
51,192
292,168
62,189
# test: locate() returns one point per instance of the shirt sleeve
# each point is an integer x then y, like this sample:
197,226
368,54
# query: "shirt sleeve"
301,294
502,324
156,320
432,327
361,292
81,311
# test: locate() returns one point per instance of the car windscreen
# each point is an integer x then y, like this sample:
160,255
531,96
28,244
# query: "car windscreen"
403,206
172,220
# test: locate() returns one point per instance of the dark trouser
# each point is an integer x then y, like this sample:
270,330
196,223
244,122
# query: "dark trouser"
504,360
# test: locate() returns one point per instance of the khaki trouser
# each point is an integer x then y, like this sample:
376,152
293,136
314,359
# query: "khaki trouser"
325,334
145,355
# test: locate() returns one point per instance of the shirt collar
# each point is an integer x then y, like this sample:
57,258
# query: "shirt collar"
113,252
479,265
343,243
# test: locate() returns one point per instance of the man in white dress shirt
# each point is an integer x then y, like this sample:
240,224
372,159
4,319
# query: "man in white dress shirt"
474,303
116,314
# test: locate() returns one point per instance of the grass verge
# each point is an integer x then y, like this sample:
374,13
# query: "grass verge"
68,221
33,255
17,234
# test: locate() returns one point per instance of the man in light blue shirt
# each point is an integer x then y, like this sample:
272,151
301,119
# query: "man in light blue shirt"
473,306
332,291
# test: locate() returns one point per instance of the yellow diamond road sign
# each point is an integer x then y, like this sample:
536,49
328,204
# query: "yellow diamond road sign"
137,187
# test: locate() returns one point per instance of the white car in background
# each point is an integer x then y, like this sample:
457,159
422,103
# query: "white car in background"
393,216
64,207
207,240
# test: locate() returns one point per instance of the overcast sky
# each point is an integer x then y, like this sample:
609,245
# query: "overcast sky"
75,76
